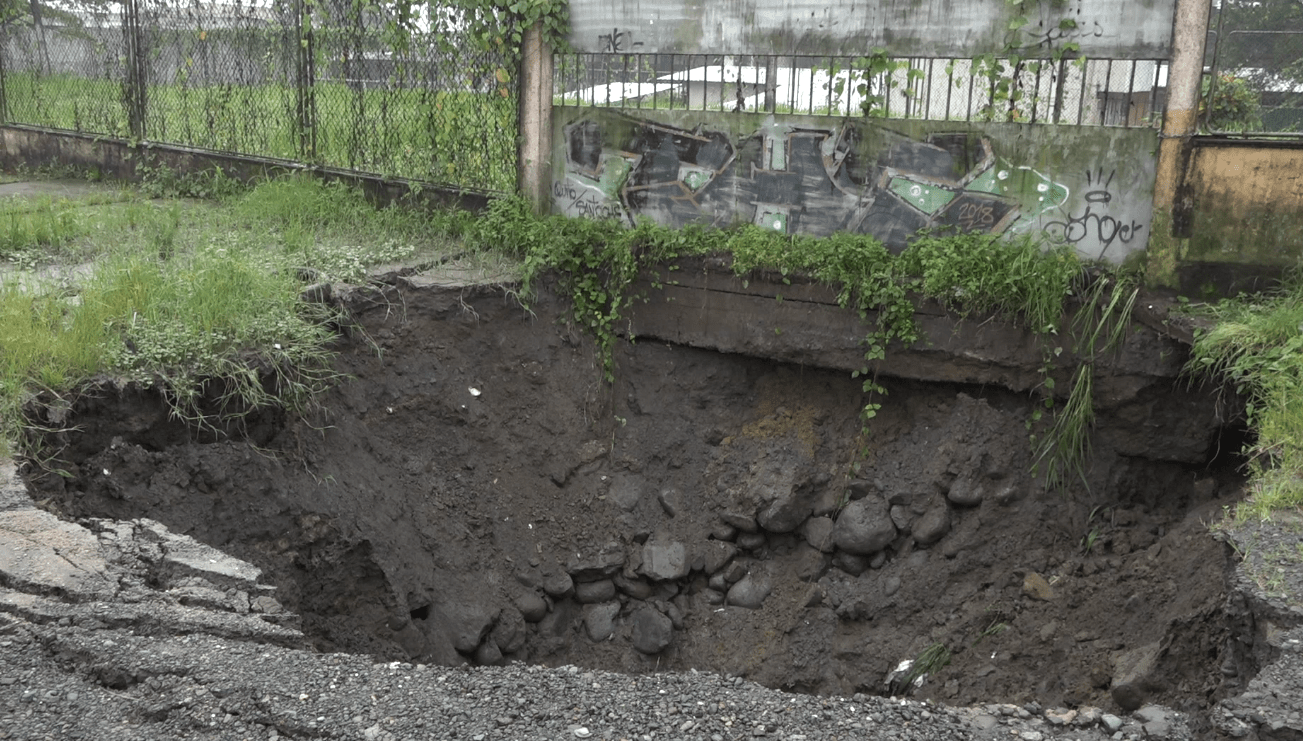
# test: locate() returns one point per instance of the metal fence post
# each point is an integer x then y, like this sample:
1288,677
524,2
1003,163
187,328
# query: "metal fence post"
133,84
4,47
534,157
305,103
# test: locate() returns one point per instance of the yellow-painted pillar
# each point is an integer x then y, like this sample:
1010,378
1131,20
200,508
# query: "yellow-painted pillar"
1180,122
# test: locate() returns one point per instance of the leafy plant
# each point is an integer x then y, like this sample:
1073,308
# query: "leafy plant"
161,181
1228,103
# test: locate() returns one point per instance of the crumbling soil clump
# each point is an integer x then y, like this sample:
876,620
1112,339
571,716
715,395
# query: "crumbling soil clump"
477,493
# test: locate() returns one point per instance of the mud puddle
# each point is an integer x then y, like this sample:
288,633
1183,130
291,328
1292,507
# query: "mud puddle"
477,493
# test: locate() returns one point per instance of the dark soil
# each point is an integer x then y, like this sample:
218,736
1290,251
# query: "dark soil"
476,461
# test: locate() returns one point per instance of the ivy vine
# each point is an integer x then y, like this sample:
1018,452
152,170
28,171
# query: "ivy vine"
501,24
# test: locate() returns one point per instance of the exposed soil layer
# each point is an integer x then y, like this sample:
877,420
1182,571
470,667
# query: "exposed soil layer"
476,492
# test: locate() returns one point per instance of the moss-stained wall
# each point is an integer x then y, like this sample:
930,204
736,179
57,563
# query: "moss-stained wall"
1134,29
1247,203
1091,187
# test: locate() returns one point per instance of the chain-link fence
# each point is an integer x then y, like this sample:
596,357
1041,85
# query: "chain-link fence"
330,83
1255,84
1111,92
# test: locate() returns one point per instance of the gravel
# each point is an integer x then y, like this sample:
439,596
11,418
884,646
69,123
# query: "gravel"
67,682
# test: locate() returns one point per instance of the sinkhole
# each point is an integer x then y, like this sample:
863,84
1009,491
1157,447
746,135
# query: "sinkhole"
476,492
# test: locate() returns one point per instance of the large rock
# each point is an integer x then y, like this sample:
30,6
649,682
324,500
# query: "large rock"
558,584
626,491
864,527
742,521
595,591
1134,675
966,492
606,562
751,591
468,623
784,505
811,563
509,632
933,525
818,533
716,554
532,607
636,588
652,631
599,620
488,654
662,561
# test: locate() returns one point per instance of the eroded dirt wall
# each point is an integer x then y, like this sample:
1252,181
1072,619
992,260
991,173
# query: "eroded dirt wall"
476,492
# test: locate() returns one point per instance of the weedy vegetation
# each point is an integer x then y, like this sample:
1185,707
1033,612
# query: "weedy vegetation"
1255,345
201,299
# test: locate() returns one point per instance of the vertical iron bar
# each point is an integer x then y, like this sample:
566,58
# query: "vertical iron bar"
927,96
971,84
950,85
811,86
1131,93
1036,89
1108,91
673,82
771,83
4,99
1217,51
134,84
1059,85
303,84
1153,91
1081,99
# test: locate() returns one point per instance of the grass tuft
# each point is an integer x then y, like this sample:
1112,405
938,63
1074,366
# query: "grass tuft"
1256,346
200,299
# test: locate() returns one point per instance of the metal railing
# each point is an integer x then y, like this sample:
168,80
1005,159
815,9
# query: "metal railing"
323,84
1109,92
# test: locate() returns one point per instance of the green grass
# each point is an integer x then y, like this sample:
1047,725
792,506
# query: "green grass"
1256,345
202,299
445,136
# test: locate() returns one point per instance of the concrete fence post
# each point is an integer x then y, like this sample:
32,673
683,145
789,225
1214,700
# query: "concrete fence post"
534,157
1180,122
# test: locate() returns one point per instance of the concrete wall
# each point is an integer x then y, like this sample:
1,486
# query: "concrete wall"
1091,187
1105,28
1243,214
120,159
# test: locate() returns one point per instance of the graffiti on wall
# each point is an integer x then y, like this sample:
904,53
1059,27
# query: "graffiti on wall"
817,181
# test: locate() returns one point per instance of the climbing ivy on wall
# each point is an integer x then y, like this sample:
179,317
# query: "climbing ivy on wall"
1020,54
